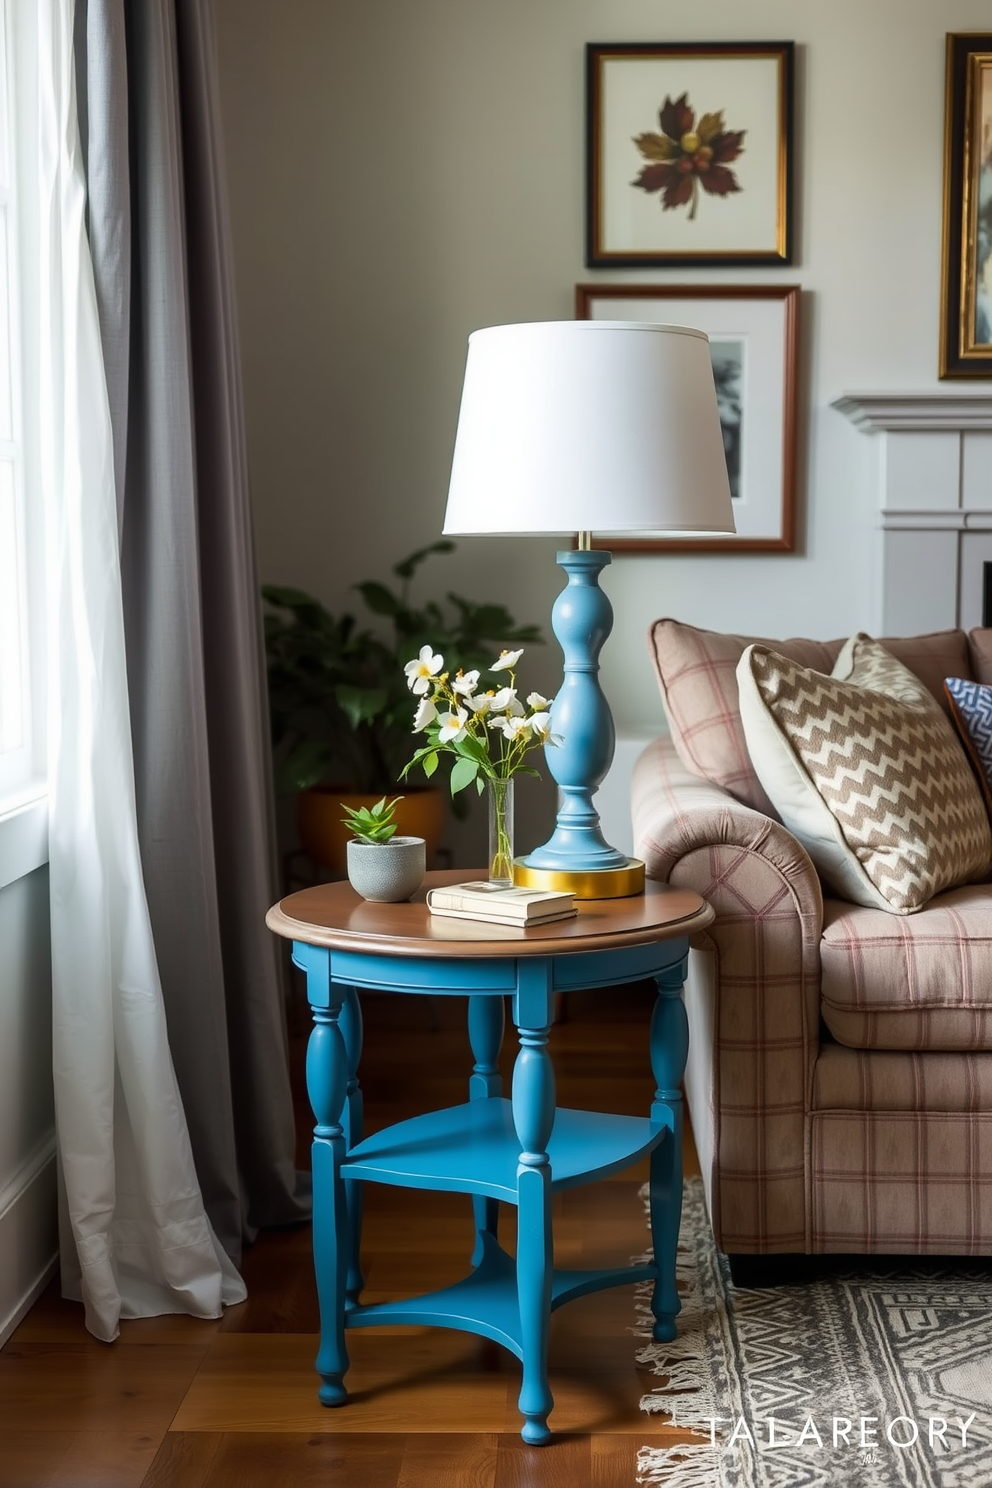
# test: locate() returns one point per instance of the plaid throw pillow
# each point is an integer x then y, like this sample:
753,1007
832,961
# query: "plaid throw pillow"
865,769
971,709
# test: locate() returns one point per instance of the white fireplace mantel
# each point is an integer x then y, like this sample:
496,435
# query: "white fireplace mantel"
934,502
920,413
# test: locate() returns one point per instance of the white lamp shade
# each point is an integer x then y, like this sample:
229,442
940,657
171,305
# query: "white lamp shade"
582,426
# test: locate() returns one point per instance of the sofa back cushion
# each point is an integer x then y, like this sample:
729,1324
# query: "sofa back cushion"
867,772
697,675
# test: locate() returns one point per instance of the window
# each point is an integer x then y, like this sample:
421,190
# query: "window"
22,764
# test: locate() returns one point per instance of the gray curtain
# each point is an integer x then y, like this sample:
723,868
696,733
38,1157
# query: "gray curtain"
147,83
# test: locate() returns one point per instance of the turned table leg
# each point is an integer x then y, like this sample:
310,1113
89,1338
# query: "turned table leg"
533,1104
352,1120
327,1084
669,1047
486,1019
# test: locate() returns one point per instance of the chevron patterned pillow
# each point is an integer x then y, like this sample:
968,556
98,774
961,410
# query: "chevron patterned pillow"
866,771
971,709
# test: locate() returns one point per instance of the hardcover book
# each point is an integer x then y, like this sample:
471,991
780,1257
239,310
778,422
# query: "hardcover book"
512,906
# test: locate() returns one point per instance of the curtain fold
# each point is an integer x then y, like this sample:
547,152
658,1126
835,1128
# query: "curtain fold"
191,611
137,1238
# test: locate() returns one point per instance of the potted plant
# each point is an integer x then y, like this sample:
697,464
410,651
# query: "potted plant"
338,701
382,867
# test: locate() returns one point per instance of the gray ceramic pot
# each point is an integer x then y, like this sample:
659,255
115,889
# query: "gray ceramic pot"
389,871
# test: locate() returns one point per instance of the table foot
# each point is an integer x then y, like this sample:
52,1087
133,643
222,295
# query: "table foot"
535,1431
332,1391
664,1329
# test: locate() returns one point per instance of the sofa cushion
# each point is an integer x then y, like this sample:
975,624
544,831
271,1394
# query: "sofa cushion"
902,1079
866,771
980,653
971,709
697,676
923,982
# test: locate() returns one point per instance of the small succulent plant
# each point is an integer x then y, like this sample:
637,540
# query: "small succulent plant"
372,824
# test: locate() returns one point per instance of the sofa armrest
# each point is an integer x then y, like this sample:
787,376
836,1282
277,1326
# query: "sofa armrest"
754,996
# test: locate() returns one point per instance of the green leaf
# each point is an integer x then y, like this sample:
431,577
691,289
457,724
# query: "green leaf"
360,704
380,600
463,772
470,748
408,567
430,765
305,765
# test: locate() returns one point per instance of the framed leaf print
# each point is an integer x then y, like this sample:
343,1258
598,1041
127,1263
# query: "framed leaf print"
689,153
966,289
753,332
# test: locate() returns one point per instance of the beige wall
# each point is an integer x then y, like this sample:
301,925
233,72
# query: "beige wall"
403,171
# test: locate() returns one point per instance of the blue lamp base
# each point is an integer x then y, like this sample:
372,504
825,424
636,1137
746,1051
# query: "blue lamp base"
577,858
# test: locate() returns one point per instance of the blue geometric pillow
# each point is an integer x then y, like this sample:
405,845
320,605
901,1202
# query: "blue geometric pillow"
971,708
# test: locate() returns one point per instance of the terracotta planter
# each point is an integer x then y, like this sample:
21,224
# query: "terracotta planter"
325,838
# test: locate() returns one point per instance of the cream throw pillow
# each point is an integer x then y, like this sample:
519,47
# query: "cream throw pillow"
865,770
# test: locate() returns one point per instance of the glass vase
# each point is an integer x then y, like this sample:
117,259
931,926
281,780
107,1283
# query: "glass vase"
500,794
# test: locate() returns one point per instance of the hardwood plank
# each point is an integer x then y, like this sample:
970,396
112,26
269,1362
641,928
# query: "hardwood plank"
563,1463
185,1461
453,1461
431,1380
54,1319
277,1460
76,1459
124,1388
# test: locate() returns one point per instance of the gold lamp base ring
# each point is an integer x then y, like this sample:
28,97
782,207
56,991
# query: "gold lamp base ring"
591,883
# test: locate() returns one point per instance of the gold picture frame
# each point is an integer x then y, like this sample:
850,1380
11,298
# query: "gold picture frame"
966,274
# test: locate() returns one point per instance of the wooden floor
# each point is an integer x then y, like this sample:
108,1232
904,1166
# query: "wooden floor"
192,1404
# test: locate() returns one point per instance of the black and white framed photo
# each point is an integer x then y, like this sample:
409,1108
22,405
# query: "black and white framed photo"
752,331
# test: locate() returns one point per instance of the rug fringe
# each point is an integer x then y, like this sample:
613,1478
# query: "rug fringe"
687,1466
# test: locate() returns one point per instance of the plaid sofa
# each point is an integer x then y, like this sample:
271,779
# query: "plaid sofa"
840,1066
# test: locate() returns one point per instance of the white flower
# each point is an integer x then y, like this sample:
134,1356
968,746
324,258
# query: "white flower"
512,728
535,700
426,714
452,726
465,683
420,671
481,703
541,724
507,660
506,701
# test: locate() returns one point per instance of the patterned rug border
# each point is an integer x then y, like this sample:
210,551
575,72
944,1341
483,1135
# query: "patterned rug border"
897,1349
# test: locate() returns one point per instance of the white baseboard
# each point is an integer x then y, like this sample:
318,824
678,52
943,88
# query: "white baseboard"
28,1235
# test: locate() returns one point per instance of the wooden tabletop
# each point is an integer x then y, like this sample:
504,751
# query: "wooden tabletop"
334,915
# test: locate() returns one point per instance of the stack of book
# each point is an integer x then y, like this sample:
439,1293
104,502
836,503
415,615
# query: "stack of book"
501,906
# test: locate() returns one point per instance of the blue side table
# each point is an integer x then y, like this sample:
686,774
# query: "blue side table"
517,1151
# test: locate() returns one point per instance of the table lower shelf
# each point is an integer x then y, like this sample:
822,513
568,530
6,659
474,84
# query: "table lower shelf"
473,1148
485,1301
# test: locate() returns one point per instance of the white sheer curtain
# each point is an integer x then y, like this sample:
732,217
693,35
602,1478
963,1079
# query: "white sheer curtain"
136,1241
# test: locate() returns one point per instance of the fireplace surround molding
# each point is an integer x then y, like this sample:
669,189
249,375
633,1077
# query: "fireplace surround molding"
934,500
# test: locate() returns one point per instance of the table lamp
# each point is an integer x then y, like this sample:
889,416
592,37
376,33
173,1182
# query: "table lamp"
582,427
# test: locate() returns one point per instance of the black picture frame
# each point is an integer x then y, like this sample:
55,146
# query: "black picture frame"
634,86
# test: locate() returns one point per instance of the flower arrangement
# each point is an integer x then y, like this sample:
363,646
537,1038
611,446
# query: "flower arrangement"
489,731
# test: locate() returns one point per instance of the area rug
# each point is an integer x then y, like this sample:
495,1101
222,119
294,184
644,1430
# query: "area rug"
880,1378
